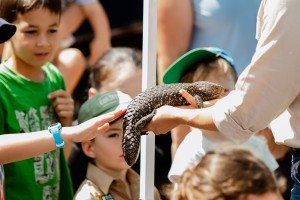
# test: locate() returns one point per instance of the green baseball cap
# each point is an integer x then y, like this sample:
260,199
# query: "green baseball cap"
175,71
103,103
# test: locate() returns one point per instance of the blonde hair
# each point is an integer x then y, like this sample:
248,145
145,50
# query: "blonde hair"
201,70
226,175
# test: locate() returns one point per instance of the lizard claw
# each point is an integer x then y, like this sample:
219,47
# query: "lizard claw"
144,120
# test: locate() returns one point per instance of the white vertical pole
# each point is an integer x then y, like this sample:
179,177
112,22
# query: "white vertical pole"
149,80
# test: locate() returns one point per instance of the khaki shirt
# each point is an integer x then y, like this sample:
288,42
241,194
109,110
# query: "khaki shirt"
98,184
269,88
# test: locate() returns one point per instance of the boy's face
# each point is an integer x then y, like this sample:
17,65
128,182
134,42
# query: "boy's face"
106,148
36,38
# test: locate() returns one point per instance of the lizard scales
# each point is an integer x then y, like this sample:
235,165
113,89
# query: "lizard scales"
140,110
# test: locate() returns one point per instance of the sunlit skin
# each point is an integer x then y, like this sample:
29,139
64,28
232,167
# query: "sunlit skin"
34,42
106,151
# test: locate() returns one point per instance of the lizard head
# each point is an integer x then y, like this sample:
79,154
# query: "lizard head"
209,90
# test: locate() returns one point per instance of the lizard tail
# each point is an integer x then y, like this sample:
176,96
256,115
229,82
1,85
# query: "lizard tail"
131,146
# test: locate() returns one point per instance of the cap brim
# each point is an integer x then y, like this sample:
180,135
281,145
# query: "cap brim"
101,104
7,30
175,71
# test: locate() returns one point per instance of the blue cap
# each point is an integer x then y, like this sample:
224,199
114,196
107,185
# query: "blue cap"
176,70
7,30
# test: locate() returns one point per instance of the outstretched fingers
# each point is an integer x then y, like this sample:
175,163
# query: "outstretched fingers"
90,129
189,98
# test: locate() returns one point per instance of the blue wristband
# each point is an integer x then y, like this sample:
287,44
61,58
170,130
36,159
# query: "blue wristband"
54,129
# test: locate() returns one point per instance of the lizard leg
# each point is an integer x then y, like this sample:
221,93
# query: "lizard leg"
198,101
143,121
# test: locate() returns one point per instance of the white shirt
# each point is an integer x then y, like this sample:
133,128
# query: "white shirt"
270,85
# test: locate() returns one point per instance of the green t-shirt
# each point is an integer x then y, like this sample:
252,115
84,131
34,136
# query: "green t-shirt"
24,107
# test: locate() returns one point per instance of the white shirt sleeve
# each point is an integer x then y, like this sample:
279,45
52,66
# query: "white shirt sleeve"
270,83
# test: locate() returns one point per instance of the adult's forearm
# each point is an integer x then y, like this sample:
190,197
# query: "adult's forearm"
198,118
175,22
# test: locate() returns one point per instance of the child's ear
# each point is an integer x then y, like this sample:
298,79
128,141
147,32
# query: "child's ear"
88,149
92,92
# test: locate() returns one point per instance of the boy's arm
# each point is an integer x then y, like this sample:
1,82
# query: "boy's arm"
19,146
98,19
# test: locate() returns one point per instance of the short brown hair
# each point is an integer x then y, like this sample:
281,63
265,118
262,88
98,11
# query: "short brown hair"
110,62
9,9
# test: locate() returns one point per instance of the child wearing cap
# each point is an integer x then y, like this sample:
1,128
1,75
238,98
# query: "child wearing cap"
200,64
108,175
214,65
120,68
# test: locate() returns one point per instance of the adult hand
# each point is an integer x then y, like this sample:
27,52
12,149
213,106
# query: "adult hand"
193,102
168,117
63,105
164,120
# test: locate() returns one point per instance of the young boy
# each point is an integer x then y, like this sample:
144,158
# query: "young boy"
108,175
120,68
33,98
214,65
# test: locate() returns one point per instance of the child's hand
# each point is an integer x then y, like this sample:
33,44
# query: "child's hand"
63,105
91,128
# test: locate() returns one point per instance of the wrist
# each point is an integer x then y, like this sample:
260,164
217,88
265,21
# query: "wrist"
55,130
66,134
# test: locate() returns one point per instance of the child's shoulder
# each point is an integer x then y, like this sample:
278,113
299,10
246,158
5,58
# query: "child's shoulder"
51,71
